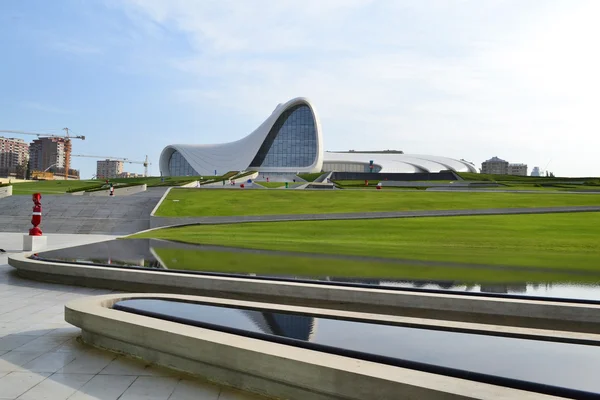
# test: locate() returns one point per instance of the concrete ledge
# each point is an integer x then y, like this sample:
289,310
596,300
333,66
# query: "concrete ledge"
6,191
126,191
260,366
191,184
553,315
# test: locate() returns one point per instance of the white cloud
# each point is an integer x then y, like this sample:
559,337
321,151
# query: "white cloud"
464,78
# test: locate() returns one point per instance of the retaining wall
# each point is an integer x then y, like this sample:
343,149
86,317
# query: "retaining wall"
6,191
554,315
126,191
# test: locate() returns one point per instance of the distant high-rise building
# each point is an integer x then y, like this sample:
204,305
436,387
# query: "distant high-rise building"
45,153
108,169
14,154
494,165
517,169
536,171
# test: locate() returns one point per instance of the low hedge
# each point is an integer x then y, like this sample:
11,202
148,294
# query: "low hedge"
5,184
117,186
83,188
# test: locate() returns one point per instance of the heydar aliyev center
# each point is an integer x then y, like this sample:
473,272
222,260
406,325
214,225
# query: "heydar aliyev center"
291,141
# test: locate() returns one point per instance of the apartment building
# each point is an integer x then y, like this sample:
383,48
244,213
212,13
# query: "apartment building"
14,153
108,169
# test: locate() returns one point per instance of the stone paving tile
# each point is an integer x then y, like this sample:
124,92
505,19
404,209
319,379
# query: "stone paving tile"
105,387
90,362
232,394
50,362
56,387
14,360
11,342
191,390
43,343
125,366
14,384
150,388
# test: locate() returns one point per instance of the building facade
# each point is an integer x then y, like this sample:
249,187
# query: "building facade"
517,169
46,153
14,155
290,141
109,169
495,165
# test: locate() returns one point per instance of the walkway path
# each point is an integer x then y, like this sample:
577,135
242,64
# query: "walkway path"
82,214
170,221
40,357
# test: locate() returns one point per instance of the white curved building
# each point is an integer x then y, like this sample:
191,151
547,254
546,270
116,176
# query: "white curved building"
291,141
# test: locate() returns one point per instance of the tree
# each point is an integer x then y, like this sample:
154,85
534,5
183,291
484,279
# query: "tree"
21,170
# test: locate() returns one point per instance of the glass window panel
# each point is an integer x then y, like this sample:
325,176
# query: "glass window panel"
178,166
291,142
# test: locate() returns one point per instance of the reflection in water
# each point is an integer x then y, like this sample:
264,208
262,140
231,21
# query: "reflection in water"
300,327
145,253
561,364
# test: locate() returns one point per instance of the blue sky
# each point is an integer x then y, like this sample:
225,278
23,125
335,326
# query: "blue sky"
466,79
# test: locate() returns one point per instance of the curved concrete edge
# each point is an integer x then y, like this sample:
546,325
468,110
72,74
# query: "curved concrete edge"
560,316
157,206
259,366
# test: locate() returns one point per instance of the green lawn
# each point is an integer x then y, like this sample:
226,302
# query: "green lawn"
264,202
60,186
50,187
311,267
543,240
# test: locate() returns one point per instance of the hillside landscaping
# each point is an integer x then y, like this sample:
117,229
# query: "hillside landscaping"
198,203
544,241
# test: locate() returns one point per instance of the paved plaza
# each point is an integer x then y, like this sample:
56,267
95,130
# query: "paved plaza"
41,358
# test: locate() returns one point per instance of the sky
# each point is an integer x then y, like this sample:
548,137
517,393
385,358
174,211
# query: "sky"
470,79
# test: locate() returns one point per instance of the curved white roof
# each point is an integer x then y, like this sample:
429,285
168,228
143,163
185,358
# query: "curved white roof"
402,163
238,155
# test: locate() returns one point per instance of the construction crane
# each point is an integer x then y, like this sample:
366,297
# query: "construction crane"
145,163
66,137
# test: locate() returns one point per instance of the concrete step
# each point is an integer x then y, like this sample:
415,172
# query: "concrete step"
81,214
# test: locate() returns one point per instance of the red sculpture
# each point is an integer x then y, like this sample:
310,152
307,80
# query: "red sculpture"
36,217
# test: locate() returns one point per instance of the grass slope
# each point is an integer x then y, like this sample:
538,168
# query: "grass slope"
545,241
311,267
264,202
61,186
50,187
